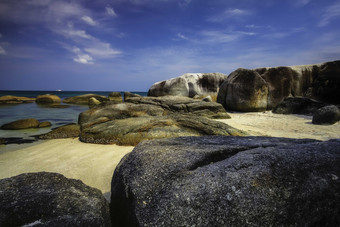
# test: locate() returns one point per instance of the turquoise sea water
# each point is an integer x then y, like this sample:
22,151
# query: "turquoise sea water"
57,116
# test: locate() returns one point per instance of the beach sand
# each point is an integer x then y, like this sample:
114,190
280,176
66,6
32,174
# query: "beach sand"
91,163
94,164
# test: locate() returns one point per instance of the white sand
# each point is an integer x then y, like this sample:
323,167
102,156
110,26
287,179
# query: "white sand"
279,125
92,163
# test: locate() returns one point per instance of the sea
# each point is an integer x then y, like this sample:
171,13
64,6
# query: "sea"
57,116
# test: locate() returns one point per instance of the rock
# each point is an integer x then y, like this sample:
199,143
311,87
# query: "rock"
21,124
15,140
115,97
50,199
131,131
44,124
48,99
228,181
59,106
320,82
207,99
327,115
84,99
128,95
9,99
244,90
66,131
189,85
93,102
298,105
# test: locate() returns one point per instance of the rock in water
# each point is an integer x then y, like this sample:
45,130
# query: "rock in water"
84,99
48,99
50,199
9,99
189,85
228,181
21,124
327,115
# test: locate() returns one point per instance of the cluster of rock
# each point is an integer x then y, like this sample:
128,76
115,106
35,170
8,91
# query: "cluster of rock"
9,99
189,85
264,88
50,199
228,181
25,124
142,118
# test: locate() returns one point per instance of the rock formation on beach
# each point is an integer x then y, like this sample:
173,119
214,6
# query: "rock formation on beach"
48,99
50,199
25,124
9,99
84,99
141,118
264,88
65,131
228,181
189,85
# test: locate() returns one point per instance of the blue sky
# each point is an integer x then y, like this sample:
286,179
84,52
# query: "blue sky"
127,45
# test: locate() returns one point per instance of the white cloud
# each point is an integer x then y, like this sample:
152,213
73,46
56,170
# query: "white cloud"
111,11
2,51
102,50
84,59
72,33
329,14
88,20
234,14
181,36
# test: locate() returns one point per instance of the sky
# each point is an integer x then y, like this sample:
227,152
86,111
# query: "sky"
127,45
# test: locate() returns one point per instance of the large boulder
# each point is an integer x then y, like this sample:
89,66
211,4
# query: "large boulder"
298,105
320,82
48,99
21,124
84,99
244,90
228,181
50,199
9,99
326,115
141,118
189,85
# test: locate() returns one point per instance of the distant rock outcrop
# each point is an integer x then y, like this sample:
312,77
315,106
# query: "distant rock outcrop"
50,199
25,124
9,99
84,99
142,118
189,85
228,181
48,99
270,86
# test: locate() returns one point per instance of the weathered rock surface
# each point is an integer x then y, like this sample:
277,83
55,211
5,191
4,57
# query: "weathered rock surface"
189,85
48,99
116,97
244,90
93,102
298,105
50,199
320,82
66,131
326,115
9,99
228,181
128,95
141,118
21,124
84,99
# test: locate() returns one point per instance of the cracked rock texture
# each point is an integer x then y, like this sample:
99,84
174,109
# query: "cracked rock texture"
228,181
50,199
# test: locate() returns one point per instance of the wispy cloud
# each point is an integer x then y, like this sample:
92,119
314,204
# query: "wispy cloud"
329,13
102,50
84,59
89,20
110,11
230,14
2,51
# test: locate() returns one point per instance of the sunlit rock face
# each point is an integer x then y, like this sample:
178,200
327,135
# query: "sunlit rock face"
189,85
242,90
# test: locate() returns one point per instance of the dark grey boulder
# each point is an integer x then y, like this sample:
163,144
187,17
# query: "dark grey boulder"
228,181
326,115
50,199
298,105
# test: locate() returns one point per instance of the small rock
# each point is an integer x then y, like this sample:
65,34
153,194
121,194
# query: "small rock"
326,115
44,124
48,99
93,102
21,124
